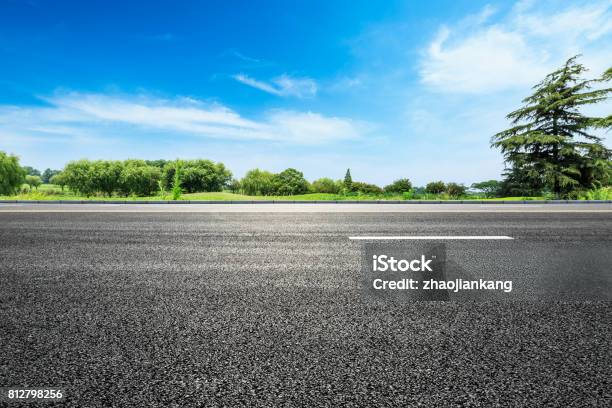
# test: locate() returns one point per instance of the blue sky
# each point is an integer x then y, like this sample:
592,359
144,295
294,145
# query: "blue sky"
390,89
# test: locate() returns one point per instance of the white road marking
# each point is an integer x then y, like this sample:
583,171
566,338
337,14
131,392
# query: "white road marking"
432,237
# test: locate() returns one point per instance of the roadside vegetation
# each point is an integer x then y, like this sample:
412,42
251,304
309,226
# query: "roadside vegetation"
552,151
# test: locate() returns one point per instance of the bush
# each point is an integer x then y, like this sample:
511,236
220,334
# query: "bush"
435,187
409,195
326,185
399,186
25,189
257,182
455,190
366,188
12,175
33,181
198,175
290,182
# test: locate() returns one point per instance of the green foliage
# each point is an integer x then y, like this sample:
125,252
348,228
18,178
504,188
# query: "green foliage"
198,175
11,174
33,181
31,171
348,180
289,182
550,146
257,182
409,195
47,174
366,188
234,186
399,186
58,179
326,185
435,187
160,163
106,176
490,188
455,190
176,182
138,178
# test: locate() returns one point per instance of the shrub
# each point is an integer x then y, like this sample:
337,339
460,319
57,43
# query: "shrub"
326,185
257,182
25,189
176,182
399,186
12,175
409,195
455,190
435,187
33,181
366,188
290,182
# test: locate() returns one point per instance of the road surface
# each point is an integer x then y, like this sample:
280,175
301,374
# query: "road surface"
212,307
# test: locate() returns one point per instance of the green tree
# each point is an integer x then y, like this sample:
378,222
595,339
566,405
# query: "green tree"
348,180
399,186
59,179
326,185
257,182
455,190
435,187
138,178
105,176
290,182
47,174
490,188
31,171
33,181
198,175
78,177
11,174
551,144
234,186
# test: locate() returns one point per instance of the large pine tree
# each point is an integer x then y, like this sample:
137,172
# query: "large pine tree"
551,145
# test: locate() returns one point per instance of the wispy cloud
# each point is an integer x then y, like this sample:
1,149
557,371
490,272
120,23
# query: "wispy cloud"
283,85
479,55
71,115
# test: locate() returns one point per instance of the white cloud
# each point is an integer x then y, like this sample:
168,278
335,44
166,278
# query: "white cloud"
283,85
97,116
516,50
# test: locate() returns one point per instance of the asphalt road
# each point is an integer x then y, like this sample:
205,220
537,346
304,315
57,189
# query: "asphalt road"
265,309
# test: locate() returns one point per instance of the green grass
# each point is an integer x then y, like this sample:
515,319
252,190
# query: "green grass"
52,192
